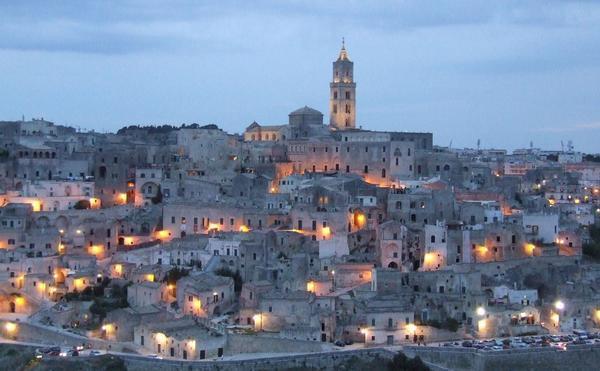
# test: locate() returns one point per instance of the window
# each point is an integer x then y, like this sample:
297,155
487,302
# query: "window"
335,108
335,95
432,239
366,170
347,95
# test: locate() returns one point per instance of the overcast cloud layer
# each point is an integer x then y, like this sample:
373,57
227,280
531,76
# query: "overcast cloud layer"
505,72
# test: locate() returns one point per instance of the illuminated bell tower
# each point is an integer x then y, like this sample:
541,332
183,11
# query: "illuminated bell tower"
342,98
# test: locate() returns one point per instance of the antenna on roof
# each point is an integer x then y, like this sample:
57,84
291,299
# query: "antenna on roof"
478,144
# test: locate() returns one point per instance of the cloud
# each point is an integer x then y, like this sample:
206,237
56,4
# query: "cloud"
119,27
568,129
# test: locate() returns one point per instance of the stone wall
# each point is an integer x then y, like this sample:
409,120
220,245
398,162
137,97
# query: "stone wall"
39,334
321,361
265,344
578,357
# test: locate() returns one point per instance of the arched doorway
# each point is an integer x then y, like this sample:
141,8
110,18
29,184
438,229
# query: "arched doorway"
393,265
13,307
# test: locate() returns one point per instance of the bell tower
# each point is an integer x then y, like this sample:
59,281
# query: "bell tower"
342,98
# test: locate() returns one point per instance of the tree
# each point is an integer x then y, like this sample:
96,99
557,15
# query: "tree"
175,275
237,278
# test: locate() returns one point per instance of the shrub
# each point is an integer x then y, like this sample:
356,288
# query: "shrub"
401,362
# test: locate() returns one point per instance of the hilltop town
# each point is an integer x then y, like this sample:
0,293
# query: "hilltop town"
185,242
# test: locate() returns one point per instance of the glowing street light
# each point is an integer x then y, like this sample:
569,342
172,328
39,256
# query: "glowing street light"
559,305
480,311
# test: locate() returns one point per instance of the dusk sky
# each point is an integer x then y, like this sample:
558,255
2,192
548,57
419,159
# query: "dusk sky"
506,72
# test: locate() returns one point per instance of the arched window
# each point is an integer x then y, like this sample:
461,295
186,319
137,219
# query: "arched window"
432,239
446,167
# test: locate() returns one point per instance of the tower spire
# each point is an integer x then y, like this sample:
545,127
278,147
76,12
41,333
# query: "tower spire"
343,53
342,100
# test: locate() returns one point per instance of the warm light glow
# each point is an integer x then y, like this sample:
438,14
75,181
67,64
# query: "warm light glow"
482,324
598,314
364,331
482,249
78,231
529,248
36,205
119,269
273,189
559,305
213,226
19,300
428,258
359,219
481,311
555,318
411,327
244,229
107,327
192,344
326,231
130,184
96,250
94,203
10,326
122,198
150,277
577,201
160,337
162,234
310,286
197,304
552,202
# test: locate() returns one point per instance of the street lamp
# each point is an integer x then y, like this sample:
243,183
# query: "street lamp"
480,311
559,305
